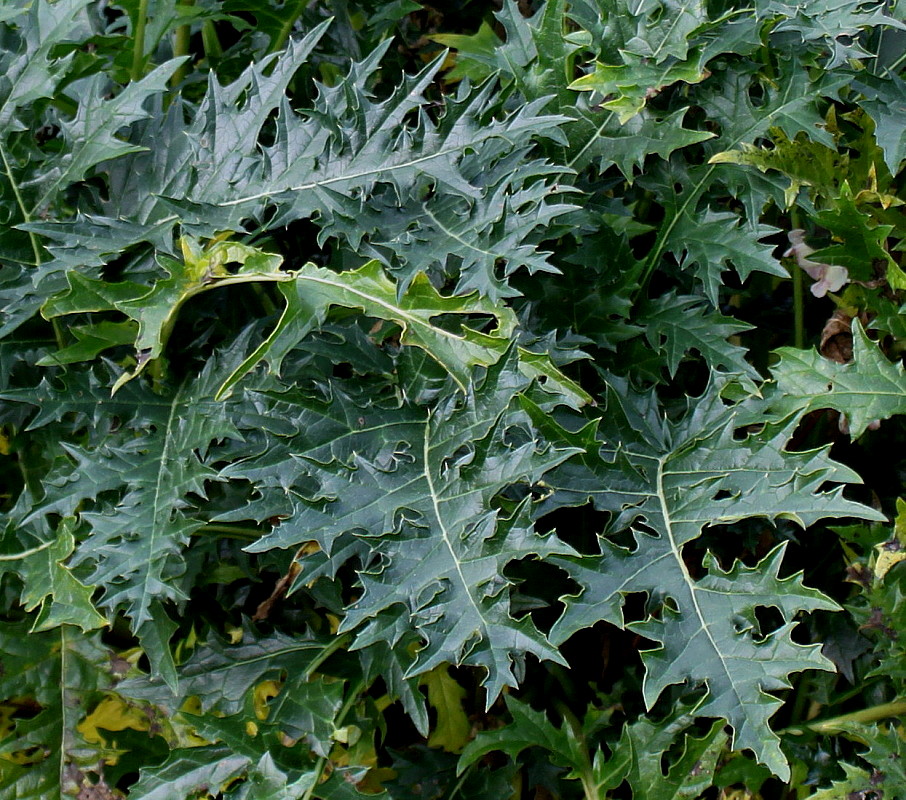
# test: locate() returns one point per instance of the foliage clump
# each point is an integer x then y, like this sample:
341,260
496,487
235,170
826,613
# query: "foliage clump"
417,403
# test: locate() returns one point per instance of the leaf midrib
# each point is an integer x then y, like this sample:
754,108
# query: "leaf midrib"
435,502
690,583
338,179
146,594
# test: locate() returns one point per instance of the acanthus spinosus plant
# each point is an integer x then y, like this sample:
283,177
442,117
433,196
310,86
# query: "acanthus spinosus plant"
421,402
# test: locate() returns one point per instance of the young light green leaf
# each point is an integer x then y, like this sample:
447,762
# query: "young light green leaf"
804,162
453,729
638,80
312,290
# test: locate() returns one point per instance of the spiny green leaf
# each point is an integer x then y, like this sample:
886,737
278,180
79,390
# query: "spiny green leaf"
636,81
534,53
155,634
675,325
417,499
223,673
268,782
788,103
665,28
92,132
50,584
645,134
862,240
713,241
885,754
189,770
687,776
306,708
312,290
91,294
884,100
395,461
637,756
835,23
91,340
339,150
478,55
478,241
856,783
678,478
60,669
136,543
868,388
529,728
31,72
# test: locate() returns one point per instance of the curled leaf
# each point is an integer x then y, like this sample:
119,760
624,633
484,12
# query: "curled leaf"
837,338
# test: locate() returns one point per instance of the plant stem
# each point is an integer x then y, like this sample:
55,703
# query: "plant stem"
234,531
798,309
20,201
688,199
26,553
57,332
138,43
280,40
181,41
894,708
326,652
266,303
585,769
462,779
209,40
801,697
798,293
891,70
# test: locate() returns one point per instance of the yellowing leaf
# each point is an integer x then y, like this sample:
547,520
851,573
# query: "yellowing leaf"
453,729
265,691
890,553
112,714
631,85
